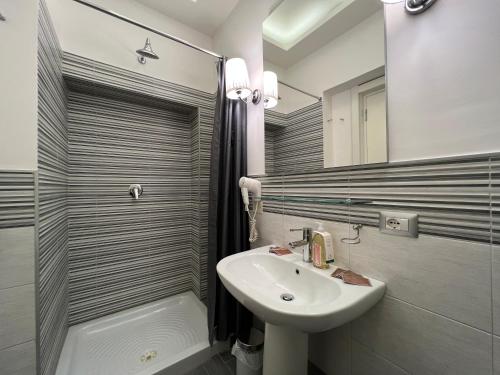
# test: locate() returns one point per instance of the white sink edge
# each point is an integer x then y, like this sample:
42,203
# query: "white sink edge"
348,306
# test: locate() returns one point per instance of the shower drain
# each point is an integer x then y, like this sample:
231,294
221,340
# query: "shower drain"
148,356
287,297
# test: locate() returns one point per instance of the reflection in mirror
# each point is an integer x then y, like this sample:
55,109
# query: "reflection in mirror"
329,56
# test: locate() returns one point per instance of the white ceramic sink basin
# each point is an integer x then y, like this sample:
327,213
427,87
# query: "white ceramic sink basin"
257,279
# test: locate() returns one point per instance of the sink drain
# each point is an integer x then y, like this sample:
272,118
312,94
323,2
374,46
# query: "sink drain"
287,297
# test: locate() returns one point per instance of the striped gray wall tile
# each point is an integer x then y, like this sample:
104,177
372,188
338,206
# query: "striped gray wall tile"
122,252
206,122
269,148
52,196
94,72
452,197
297,140
495,198
17,199
276,118
195,200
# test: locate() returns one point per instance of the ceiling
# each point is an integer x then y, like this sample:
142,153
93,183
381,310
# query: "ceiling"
297,28
204,16
292,20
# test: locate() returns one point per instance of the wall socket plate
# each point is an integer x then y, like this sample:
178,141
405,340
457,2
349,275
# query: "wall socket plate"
398,223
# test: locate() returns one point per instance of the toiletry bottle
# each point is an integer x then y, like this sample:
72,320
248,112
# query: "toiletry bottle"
322,248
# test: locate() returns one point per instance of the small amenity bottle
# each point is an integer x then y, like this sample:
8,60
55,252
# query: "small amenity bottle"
322,248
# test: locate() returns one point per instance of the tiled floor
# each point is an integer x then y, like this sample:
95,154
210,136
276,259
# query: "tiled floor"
225,364
220,364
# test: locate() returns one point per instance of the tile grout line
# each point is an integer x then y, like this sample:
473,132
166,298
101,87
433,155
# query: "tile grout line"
491,266
33,340
377,354
17,286
438,314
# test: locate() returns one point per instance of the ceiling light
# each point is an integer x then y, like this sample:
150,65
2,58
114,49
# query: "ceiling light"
270,89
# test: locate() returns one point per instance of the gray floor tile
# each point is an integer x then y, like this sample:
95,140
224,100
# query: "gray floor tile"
225,364
18,360
216,366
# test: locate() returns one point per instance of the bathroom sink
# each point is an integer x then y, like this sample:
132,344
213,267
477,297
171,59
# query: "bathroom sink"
293,298
283,290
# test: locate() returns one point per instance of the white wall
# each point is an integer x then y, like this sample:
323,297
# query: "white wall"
241,36
18,83
357,51
351,55
443,80
89,33
291,100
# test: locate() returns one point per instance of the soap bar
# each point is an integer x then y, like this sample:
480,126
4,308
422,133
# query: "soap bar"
350,277
279,250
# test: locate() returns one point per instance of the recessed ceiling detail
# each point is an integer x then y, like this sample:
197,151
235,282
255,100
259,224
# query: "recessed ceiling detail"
204,16
297,28
293,20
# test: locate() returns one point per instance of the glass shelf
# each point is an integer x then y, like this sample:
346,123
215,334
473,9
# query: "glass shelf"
316,200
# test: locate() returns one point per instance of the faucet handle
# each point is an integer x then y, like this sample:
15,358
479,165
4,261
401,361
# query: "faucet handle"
305,229
306,232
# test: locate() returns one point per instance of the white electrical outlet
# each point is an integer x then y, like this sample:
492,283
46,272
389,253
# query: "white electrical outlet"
399,223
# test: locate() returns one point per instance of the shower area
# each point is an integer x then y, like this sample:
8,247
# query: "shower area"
122,277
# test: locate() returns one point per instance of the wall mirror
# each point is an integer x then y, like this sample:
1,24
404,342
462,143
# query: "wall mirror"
329,56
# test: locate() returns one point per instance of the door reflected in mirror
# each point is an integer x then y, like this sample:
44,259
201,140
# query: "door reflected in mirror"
329,56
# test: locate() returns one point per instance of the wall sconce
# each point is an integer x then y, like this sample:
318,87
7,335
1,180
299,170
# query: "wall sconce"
270,89
413,6
238,83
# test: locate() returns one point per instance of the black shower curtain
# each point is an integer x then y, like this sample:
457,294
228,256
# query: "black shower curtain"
227,220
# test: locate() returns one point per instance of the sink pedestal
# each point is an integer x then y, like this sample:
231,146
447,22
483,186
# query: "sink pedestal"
285,351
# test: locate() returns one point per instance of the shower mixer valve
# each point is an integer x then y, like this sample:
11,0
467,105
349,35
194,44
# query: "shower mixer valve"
135,190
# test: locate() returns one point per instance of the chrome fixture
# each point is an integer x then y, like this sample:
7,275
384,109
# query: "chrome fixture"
145,27
318,98
355,240
146,52
287,297
305,242
135,190
418,6
413,6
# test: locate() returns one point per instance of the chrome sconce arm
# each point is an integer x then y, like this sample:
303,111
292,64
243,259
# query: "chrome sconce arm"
418,6
413,7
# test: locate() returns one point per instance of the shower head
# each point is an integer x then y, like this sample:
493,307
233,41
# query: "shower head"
146,52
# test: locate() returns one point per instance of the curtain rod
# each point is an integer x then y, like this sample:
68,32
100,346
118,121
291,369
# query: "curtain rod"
171,37
136,23
302,91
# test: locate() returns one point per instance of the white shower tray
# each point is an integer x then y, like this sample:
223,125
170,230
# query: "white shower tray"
167,337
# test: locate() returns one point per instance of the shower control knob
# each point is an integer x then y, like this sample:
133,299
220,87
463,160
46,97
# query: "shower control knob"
135,190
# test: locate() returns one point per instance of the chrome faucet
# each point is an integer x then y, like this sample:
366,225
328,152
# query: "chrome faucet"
305,242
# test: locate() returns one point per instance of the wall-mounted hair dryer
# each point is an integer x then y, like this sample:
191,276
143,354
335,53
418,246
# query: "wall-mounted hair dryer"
249,185
253,186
